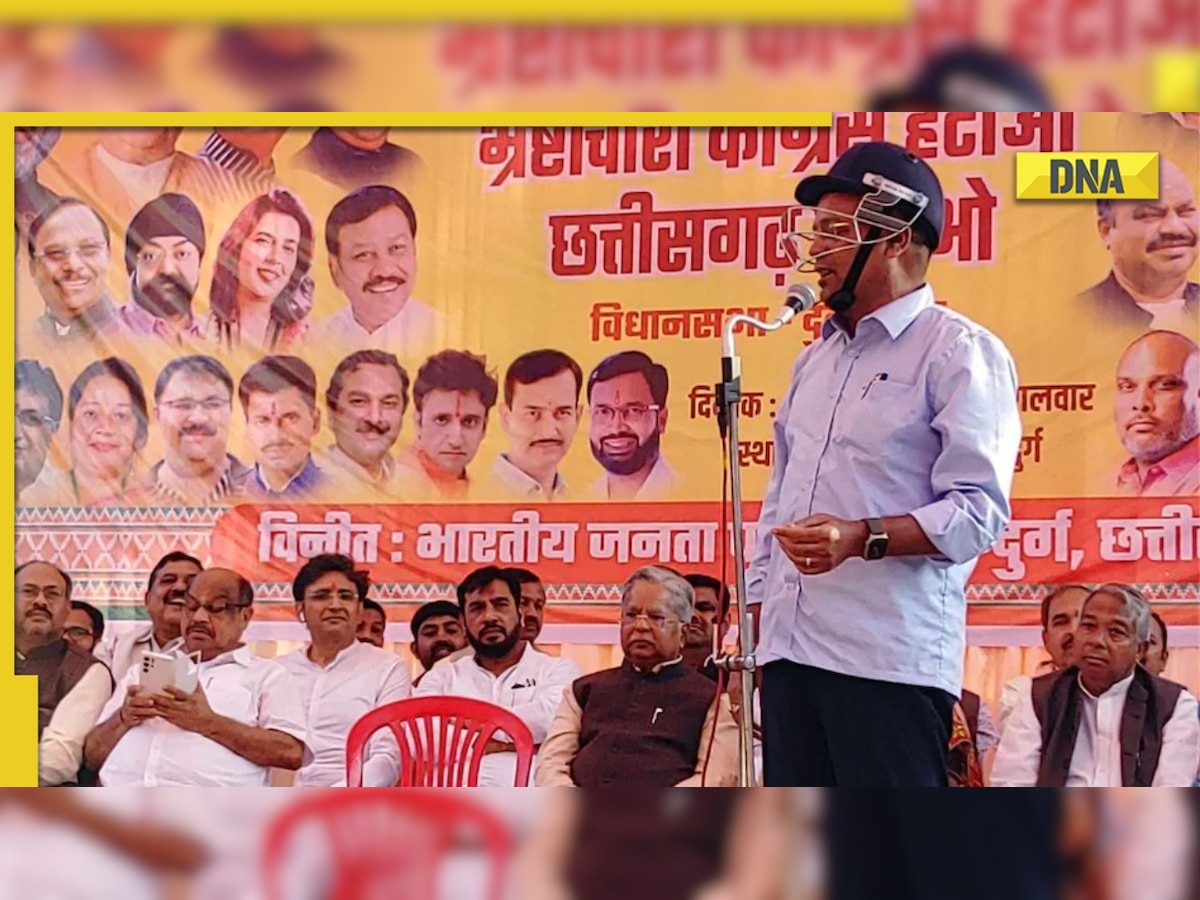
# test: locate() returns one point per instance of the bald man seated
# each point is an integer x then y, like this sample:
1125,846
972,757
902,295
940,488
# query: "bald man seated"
243,719
1157,414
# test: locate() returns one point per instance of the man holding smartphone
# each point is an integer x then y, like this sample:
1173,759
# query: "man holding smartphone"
242,720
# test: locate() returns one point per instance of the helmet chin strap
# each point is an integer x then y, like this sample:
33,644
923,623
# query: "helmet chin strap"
843,297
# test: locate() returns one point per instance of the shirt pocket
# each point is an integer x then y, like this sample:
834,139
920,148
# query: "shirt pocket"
881,420
232,700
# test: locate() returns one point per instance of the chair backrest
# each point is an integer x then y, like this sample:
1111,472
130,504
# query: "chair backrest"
381,843
442,740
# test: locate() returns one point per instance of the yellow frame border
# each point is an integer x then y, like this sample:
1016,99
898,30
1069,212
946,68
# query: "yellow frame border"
18,696
232,12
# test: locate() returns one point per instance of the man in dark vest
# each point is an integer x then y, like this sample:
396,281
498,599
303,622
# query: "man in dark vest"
649,722
1104,721
73,686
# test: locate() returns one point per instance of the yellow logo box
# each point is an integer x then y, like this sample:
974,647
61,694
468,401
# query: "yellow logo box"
1087,176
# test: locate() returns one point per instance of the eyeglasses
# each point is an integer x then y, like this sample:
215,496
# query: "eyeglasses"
31,418
52,594
59,255
213,609
655,621
187,405
633,413
77,632
153,256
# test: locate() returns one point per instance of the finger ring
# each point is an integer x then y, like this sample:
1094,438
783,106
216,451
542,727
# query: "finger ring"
808,562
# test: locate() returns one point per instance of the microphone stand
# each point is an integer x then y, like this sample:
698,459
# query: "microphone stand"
741,661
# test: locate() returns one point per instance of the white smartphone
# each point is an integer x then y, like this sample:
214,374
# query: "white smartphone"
162,670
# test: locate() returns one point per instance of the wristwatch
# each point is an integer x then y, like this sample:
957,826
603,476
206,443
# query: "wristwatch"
877,540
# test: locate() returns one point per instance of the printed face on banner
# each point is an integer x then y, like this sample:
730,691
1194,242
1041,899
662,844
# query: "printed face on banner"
625,425
280,428
542,421
166,274
1158,383
1153,242
33,435
70,261
104,431
369,413
268,257
376,264
193,418
450,427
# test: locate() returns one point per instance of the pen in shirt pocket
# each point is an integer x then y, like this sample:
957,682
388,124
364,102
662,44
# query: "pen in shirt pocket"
878,376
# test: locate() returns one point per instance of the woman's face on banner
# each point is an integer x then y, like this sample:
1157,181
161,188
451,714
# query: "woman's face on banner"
268,257
104,429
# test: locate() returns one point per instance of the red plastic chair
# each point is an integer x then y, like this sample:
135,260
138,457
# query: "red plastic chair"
441,740
383,843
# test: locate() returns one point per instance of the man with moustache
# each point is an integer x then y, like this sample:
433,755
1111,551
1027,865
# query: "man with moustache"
193,403
895,442
39,404
372,625
163,600
243,719
437,629
452,397
1104,721
340,678
366,399
69,259
354,157
164,247
627,397
1157,413
1060,616
279,397
540,414
531,608
1153,248
72,685
504,669
371,238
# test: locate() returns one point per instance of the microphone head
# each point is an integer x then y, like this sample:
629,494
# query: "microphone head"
800,298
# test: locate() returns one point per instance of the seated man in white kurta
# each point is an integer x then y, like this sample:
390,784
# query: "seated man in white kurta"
243,719
504,669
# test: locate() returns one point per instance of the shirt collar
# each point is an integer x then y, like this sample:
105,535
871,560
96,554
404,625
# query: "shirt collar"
355,647
89,322
1120,689
142,321
344,460
895,316
1168,468
235,159
659,668
303,480
239,656
507,471
230,483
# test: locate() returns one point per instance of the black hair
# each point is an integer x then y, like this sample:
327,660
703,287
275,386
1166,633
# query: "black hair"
124,373
628,362
195,365
697,581
455,370
481,578
365,358
431,610
173,557
360,205
53,208
1054,595
94,614
40,380
273,374
324,564
536,366
65,577
369,604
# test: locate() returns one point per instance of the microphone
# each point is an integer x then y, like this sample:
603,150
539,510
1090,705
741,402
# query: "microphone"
800,298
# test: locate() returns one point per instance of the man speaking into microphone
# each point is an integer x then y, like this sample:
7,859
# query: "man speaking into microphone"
895,448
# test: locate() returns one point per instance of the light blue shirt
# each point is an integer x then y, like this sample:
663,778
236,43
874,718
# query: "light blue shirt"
936,438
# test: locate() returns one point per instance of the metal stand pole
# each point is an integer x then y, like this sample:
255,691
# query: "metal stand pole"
741,663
